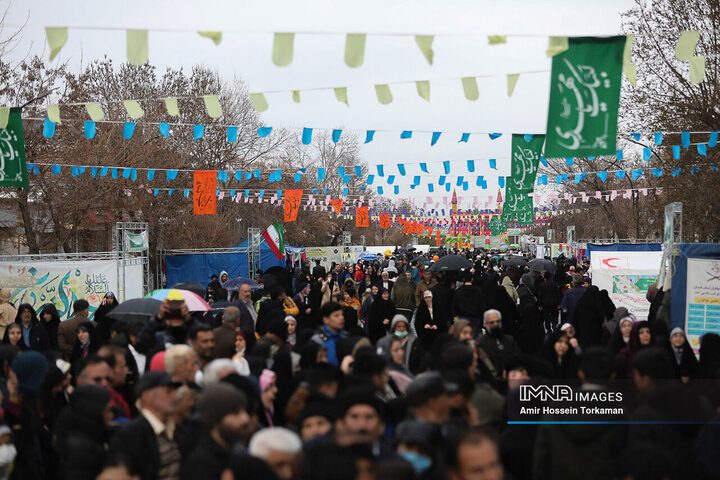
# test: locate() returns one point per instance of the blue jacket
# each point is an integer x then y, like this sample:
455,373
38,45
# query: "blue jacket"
569,303
328,339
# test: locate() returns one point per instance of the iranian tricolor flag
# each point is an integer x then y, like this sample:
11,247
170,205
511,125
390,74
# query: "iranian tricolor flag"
274,238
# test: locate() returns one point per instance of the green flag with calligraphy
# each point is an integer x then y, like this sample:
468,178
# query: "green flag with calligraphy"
525,158
518,207
496,225
584,98
13,172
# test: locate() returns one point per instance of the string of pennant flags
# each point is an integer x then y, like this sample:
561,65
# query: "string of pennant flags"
137,44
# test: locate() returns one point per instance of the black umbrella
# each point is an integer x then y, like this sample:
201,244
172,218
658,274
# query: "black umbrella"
515,262
542,265
136,309
195,287
450,263
420,259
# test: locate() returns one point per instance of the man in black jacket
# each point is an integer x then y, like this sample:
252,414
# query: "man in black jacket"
147,441
224,414
468,303
318,270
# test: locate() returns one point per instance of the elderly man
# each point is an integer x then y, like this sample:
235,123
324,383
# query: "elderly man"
181,363
494,343
476,456
279,447
225,333
248,314
147,441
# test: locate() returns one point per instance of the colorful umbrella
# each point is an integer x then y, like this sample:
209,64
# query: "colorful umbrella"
192,300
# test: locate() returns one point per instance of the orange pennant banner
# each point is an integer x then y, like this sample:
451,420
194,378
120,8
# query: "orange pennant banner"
385,220
361,217
337,204
292,204
204,188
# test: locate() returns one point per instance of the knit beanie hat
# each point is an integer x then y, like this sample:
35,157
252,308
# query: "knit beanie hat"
218,400
30,368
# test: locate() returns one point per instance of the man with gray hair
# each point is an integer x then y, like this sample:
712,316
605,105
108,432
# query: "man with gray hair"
279,447
225,333
494,342
181,363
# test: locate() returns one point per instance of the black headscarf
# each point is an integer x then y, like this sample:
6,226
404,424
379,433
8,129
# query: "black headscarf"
379,310
51,327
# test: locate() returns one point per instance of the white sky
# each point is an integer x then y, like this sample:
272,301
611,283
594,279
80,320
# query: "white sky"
460,47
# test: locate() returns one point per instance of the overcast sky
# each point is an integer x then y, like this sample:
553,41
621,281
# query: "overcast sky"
461,50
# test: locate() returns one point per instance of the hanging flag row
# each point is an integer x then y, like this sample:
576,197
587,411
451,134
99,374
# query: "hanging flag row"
90,129
137,46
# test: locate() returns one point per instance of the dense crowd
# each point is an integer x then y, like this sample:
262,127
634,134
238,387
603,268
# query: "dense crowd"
376,370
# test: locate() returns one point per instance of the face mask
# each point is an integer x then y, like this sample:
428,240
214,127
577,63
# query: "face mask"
401,334
7,454
419,462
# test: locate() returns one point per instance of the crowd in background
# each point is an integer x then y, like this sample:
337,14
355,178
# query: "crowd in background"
372,370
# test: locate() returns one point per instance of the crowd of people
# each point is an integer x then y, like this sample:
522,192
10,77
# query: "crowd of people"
374,370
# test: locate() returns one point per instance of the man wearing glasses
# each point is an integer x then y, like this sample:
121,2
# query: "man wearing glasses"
494,343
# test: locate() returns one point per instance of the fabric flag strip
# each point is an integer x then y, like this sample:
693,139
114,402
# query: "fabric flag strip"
584,98
354,49
137,47
273,235
292,204
57,38
362,218
282,54
13,168
204,192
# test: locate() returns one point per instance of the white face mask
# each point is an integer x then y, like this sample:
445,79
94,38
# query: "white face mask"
7,454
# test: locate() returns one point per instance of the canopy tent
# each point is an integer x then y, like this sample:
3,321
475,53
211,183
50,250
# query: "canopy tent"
624,247
197,267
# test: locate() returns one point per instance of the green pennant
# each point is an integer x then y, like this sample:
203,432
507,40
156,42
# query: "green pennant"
584,98
13,172
524,162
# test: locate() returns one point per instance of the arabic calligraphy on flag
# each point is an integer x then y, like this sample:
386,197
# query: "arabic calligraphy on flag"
584,98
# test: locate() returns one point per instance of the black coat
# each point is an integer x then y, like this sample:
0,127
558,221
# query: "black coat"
80,446
104,323
379,311
443,296
422,317
51,327
588,319
138,443
468,302
207,460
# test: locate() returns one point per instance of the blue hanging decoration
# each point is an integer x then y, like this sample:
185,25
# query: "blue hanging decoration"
380,190
93,171
602,176
232,134
569,161
416,180
406,134
619,154
694,169
198,132
336,135
702,149
264,131
48,128
156,191
358,171
493,136
542,179
133,173
297,177
558,179
464,138
676,171
431,187
471,166
713,139
658,138
380,171
528,137
74,171
396,189
391,179
401,169
257,174
170,192
465,186
636,136
435,138
370,179
657,172
164,129
501,182
685,139
307,136
89,128
321,174
637,173
341,171
441,180
620,174
676,152
481,182
222,176
103,171
128,130
170,175
248,176
493,163
447,187
346,179
150,175
446,167
423,167
114,173
647,153
369,135
543,161
459,181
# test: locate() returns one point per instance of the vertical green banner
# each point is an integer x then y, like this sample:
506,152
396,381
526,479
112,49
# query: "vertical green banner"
518,207
584,98
13,172
525,158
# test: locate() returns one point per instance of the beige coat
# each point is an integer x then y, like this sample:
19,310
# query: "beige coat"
7,316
